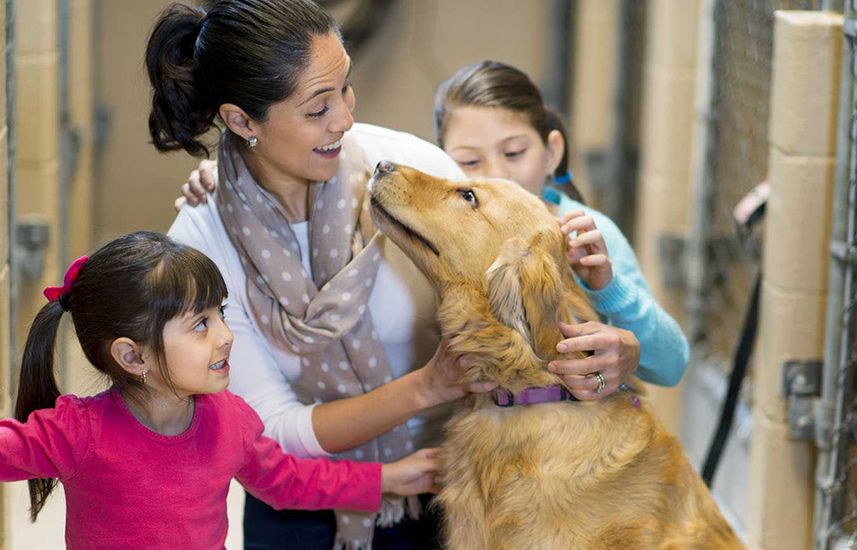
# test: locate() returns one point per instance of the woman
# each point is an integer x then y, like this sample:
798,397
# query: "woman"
330,322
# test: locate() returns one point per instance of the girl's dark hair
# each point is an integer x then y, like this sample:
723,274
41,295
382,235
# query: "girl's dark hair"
130,287
496,84
246,52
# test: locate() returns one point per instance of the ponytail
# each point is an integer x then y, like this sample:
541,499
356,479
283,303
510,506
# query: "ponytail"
181,112
562,174
37,388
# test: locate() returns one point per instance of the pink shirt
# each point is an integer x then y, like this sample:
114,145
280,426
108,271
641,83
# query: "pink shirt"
129,487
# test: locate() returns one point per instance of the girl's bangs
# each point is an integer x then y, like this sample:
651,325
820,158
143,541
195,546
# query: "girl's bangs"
186,282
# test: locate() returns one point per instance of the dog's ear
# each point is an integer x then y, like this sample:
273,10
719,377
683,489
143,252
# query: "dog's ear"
524,288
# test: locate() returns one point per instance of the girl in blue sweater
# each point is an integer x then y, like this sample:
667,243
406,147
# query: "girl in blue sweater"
491,119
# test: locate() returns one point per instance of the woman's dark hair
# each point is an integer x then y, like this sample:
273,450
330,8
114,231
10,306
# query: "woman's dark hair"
496,84
131,287
246,52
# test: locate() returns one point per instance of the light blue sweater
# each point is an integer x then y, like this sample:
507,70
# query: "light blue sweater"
627,303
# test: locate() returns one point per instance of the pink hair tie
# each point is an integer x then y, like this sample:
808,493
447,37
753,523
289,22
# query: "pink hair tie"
53,293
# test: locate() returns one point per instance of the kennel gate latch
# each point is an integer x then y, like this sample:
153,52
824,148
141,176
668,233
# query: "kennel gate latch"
802,387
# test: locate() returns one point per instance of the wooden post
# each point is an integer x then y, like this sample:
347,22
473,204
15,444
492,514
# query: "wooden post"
802,137
37,131
669,80
78,374
37,196
593,109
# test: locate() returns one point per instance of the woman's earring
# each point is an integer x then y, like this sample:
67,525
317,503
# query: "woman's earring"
252,141
143,375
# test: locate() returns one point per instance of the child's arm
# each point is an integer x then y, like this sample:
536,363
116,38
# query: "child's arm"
50,444
626,301
629,304
284,481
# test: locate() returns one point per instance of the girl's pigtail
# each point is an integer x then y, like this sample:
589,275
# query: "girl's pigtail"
37,388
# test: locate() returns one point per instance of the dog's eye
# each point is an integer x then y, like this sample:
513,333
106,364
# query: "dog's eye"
469,196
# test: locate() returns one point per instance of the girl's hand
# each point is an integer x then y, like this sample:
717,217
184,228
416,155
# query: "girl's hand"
412,475
199,184
587,251
616,355
442,374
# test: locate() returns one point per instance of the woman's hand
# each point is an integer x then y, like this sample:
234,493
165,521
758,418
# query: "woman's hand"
615,354
442,378
587,251
199,184
413,475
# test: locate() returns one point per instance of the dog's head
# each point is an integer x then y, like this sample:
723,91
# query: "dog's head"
491,249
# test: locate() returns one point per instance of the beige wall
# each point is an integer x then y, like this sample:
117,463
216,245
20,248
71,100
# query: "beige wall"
135,185
396,77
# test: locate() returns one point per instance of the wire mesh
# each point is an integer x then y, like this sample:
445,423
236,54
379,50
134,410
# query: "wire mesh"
743,50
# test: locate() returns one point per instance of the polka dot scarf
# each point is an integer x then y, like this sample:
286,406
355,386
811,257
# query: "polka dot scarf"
324,318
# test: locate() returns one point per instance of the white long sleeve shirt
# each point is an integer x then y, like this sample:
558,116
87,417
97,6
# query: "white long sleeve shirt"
402,303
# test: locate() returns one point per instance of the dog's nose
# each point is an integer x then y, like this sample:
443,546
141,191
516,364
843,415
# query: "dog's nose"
384,167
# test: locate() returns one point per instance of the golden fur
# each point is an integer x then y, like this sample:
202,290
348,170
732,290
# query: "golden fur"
563,475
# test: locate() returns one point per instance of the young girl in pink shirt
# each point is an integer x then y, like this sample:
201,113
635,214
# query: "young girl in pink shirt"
148,462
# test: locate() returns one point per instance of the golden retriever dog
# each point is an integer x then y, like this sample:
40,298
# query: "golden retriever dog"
555,475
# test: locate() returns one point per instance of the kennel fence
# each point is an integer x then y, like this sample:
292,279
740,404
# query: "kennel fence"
835,526
723,259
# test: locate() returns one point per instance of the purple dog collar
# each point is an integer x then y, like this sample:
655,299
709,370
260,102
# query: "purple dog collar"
531,396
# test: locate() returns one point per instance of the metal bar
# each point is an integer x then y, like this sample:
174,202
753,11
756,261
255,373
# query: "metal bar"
842,543
621,199
65,127
702,179
831,5
67,149
557,87
10,176
836,375
842,252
